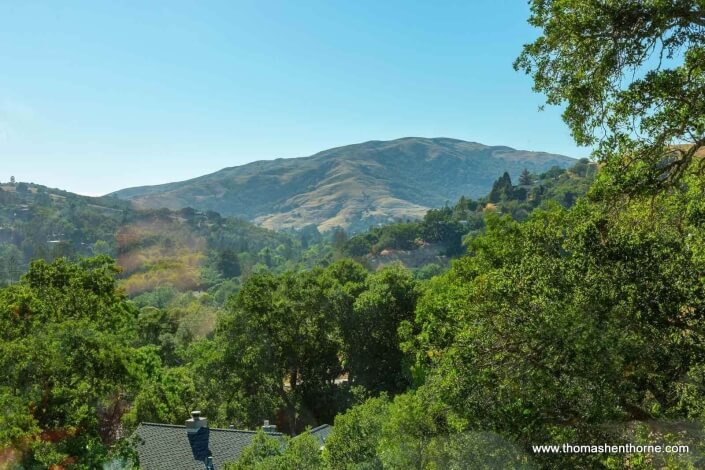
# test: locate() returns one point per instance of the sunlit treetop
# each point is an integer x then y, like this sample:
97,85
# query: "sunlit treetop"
631,74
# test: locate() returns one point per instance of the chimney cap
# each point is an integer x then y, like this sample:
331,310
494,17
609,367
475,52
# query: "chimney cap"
196,414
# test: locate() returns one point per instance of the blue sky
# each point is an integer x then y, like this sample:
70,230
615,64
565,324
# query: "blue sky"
98,96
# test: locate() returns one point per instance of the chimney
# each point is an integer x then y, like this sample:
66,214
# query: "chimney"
196,422
209,463
269,427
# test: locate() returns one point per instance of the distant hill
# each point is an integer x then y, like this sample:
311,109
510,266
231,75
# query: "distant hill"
355,187
186,249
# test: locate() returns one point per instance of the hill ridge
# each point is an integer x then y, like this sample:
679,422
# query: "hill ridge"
352,186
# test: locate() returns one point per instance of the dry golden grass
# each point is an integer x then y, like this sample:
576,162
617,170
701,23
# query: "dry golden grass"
160,251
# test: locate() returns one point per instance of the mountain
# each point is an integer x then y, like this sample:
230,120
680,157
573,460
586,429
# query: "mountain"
355,186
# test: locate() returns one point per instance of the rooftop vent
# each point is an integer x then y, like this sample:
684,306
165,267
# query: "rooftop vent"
196,422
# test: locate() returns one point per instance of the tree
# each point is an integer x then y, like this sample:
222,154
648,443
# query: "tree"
10,263
277,344
309,235
464,208
399,236
501,189
228,264
356,434
271,453
66,354
561,328
413,431
552,173
371,332
214,217
265,255
630,74
358,246
411,435
260,454
437,225
427,271
302,452
101,247
526,178
339,238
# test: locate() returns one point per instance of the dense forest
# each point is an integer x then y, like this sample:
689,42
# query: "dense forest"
570,309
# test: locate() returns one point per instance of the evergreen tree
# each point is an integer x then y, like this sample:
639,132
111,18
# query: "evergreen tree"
228,264
526,178
501,189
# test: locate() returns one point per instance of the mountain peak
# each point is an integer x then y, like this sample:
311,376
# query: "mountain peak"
353,186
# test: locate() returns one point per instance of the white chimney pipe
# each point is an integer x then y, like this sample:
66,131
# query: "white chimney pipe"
196,422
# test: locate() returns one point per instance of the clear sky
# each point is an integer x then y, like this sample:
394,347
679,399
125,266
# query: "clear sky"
96,96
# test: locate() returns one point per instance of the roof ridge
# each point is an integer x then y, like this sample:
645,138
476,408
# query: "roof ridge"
181,426
163,425
320,426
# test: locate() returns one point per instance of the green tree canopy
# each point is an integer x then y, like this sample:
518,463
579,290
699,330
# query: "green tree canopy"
353,443
631,75
277,342
66,353
562,328
371,333
271,453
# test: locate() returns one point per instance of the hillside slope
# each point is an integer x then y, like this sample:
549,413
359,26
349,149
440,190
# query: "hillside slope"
354,187
185,249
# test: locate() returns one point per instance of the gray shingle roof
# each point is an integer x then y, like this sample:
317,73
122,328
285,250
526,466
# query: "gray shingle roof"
322,432
170,447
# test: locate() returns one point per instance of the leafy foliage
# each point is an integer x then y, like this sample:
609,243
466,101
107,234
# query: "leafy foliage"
302,343
575,319
269,453
356,434
632,78
67,354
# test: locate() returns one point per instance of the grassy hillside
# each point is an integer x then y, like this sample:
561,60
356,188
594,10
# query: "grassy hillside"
354,187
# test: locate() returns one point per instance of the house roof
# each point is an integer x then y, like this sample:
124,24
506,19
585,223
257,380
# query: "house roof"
169,447
322,432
